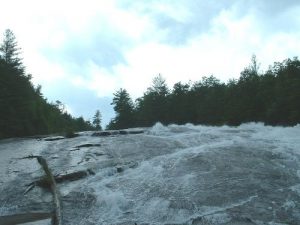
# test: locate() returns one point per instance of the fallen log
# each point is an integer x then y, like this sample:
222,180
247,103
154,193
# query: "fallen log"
71,176
57,217
24,218
76,175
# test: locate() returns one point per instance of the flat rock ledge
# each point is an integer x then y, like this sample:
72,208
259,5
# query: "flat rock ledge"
116,132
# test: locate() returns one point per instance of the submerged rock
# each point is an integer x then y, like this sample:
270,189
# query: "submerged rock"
136,131
101,133
88,145
120,169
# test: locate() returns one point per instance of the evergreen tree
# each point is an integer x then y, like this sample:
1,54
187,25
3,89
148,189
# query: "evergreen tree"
249,93
271,97
180,103
159,86
208,101
97,120
10,51
124,109
23,109
154,105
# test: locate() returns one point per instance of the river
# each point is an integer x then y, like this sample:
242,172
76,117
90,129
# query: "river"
167,175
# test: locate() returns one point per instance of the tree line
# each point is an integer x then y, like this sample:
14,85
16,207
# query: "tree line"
23,109
271,97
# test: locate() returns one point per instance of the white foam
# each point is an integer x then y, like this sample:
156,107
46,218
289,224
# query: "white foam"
150,176
158,129
166,187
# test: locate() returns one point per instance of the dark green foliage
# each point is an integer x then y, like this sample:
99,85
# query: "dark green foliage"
179,103
272,97
23,110
97,120
69,133
284,107
10,51
154,105
124,109
207,99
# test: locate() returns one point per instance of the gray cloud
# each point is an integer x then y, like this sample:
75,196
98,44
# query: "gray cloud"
199,21
272,15
178,32
105,48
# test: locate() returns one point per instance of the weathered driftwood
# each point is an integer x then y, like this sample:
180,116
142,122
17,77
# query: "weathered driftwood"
57,217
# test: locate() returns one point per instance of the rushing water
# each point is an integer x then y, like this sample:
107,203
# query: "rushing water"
168,175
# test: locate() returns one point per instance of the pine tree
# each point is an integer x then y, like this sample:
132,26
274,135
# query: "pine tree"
97,120
23,109
124,109
154,105
9,51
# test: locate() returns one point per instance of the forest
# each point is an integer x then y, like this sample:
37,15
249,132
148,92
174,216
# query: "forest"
24,111
271,97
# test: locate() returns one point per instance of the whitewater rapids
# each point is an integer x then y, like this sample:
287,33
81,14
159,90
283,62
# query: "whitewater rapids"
167,175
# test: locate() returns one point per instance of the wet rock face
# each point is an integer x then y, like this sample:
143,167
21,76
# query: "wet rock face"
84,204
165,175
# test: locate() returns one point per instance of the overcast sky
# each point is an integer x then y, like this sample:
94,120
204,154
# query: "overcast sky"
81,52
